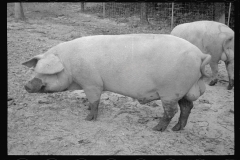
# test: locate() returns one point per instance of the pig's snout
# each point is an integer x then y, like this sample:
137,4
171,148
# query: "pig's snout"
34,86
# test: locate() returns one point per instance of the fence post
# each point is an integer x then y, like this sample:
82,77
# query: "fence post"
172,16
104,13
82,6
229,12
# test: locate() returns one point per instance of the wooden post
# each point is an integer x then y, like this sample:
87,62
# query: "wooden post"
19,14
143,14
82,6
172,16
229,12
104,10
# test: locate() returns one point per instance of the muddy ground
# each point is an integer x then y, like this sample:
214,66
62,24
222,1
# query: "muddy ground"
53,124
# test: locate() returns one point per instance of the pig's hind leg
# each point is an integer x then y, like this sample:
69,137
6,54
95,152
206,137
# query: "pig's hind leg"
93,95
185,108
170,109
214,68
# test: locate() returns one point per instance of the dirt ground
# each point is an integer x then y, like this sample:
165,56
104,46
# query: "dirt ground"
53,124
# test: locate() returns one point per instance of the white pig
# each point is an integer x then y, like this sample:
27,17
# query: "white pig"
146,67
213,38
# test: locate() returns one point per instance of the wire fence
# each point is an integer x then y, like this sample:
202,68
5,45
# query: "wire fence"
161,14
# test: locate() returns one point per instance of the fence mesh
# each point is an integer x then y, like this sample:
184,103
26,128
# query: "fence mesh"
188,12
161,13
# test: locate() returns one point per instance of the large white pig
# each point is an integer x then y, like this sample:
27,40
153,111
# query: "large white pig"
142,66
213,38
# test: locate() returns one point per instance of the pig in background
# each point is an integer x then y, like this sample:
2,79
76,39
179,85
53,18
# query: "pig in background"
146,67
213,38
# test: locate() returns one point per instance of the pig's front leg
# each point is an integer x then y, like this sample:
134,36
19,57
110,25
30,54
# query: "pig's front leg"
93,95
93,111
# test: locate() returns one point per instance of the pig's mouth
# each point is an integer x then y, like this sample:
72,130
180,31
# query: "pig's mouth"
34,90
42,89
35,86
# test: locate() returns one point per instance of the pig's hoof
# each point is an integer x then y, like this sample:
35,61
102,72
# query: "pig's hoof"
177,127
161,126
231,84
89,117
229,87
213,82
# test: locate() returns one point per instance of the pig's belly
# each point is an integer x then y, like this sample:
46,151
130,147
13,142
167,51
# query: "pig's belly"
141,97
148,97
142,93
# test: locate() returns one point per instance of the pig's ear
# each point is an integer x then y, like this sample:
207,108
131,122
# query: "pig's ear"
50,64
32,62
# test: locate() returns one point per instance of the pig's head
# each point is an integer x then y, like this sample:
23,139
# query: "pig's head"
228,47
50,75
